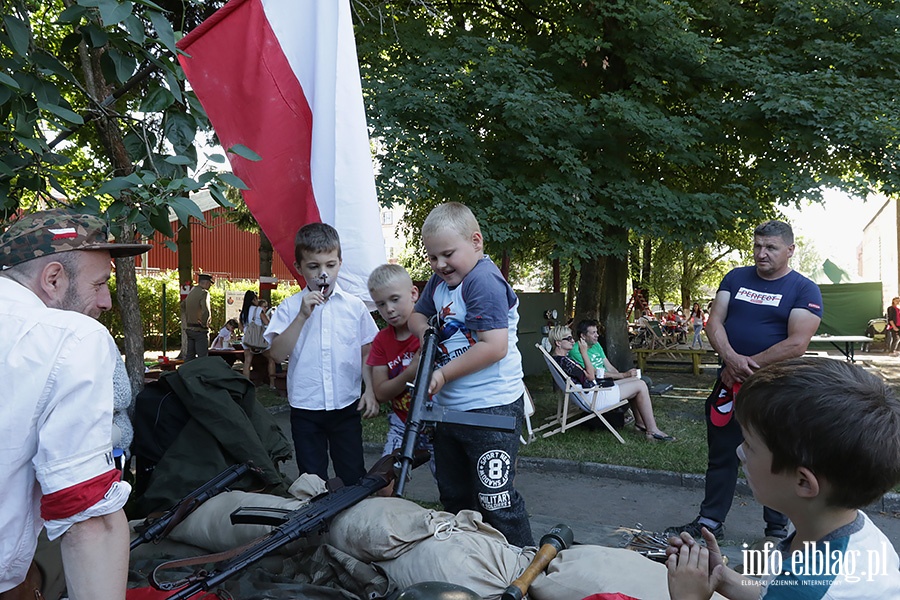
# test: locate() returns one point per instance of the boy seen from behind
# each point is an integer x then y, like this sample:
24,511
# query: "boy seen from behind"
327,334
479,369
394,357
821,440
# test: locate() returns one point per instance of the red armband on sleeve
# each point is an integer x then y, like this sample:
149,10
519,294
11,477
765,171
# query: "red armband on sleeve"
77,498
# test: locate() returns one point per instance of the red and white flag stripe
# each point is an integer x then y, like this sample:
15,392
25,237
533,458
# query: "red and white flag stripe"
282,78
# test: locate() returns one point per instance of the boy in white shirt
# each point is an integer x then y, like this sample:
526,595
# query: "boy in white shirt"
327,334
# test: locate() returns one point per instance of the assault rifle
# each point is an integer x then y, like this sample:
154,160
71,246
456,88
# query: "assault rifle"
153,530
422,410
311,519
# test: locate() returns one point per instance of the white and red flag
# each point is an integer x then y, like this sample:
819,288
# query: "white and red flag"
281,77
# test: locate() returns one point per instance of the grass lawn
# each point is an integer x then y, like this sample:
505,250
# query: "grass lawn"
682,418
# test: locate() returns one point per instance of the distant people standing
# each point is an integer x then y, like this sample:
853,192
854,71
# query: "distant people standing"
254,320
197,314
697,323
892,333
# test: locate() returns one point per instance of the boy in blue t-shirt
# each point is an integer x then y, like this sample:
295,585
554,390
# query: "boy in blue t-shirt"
479,369
821,439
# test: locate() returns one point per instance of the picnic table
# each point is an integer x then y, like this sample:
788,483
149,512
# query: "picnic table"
849,342
229,355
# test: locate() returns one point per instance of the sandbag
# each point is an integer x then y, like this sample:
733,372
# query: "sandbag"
209,526
580,571
477,560
385,528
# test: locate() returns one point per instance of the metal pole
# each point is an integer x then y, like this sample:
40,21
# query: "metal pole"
164,332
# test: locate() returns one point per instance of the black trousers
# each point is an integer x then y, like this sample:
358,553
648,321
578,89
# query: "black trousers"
722,469
197,344
318,433
476,470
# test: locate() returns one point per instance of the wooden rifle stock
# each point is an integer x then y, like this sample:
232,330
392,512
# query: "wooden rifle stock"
558,538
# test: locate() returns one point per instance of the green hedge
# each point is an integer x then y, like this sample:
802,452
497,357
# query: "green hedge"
150,297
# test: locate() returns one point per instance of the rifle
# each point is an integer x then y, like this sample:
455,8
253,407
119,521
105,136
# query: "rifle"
557,539
422,410
313,518
153,530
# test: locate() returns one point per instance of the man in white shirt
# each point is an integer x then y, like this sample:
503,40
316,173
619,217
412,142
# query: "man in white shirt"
56,361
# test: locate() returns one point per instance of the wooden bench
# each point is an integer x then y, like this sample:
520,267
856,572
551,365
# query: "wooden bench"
229,355
694,356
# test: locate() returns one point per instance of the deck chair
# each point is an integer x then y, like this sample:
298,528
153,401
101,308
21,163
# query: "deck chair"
658,338
574,399
528,436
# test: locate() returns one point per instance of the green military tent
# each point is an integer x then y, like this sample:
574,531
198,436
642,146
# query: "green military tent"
848,305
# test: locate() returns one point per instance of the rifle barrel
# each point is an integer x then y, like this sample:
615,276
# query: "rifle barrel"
160,527
414,419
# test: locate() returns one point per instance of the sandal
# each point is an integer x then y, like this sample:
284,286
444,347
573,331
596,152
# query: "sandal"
658,437
640,428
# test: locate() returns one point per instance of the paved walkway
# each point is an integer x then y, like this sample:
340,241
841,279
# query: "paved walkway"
596,501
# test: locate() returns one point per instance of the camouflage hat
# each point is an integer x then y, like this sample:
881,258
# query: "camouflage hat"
59,230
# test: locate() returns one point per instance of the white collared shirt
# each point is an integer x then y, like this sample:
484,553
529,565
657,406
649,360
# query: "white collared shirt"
325,366
55,417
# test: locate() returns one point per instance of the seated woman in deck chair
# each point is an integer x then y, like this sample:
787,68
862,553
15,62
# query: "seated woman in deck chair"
629,387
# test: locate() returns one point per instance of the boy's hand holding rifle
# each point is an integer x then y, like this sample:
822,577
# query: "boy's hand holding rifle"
423,410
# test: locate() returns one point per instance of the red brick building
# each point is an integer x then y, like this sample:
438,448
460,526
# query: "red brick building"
218,248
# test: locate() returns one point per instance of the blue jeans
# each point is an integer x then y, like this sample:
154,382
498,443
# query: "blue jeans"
396,429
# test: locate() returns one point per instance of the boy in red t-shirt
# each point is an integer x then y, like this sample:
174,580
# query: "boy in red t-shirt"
394,356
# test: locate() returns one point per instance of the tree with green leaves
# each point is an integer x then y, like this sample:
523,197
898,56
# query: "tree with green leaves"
94,116
567,126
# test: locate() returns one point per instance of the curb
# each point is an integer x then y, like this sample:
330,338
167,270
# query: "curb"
889,503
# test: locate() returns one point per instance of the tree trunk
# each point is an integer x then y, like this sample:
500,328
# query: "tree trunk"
265,264
614,297
185,275
556,275
129,308
646,262
570,293
587,304
126,281
687,279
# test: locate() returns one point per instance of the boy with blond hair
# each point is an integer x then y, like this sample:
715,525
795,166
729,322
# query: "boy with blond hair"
395,350
821,440
327,334
479,369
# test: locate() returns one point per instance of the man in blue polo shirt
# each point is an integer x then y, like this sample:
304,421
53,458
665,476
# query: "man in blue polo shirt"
761,315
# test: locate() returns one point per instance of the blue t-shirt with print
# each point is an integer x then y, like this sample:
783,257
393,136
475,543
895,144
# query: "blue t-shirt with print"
484,301
758,310
855,561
